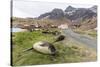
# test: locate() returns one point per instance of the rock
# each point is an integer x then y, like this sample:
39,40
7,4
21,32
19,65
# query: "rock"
94,8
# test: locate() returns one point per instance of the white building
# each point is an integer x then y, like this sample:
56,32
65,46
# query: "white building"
63,26
95,28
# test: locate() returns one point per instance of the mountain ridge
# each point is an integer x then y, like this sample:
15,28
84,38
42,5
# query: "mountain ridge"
77,16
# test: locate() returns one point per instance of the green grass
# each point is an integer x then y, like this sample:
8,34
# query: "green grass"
67,52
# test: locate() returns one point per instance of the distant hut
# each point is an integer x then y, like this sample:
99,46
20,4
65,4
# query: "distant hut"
28,27
53,26
63,26
76,25
24,26
95,28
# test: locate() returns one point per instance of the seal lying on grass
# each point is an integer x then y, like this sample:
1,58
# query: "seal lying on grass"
46,47
43,47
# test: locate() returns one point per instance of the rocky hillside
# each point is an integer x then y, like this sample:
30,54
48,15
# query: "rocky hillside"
83,18
94,9
78,16
54,14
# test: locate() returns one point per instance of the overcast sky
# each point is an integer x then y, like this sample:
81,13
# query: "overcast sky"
27,8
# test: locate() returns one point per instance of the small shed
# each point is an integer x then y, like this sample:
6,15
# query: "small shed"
63,26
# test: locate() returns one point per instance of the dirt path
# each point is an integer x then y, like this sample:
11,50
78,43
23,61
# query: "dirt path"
92,43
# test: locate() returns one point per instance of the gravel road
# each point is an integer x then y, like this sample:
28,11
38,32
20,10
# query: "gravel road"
92,43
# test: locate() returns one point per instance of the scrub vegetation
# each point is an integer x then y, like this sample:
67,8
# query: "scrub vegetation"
91,33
